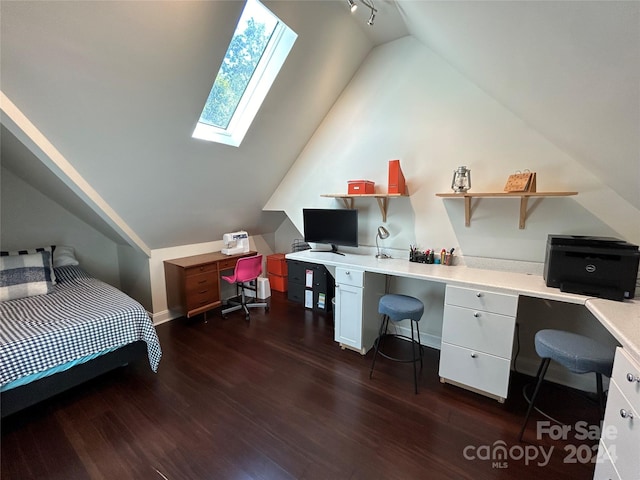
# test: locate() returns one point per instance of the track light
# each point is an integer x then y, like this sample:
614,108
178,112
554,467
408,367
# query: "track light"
367,3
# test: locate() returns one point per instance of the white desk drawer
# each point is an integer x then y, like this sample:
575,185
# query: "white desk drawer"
478,330
479,299
604,465
626,374
475,369
349,276
623,440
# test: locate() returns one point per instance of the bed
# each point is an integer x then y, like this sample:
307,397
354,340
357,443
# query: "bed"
78,329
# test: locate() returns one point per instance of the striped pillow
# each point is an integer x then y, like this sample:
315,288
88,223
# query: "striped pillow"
25,275
49,249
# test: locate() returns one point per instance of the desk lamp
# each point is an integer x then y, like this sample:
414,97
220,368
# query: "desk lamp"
382,233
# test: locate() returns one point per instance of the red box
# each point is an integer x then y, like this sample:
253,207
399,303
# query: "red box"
396,178
277,264
278,282
358,187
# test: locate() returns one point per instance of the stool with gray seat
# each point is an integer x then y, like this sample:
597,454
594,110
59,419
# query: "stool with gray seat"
577,353
396,307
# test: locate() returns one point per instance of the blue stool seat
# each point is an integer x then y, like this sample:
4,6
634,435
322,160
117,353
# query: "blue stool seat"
401,307
395,308
577,353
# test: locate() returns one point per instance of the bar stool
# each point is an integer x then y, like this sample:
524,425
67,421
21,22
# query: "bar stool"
578,354
396,307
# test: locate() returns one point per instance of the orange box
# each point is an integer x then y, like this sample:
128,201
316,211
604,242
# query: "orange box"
360,187
277,264
396,178
278,282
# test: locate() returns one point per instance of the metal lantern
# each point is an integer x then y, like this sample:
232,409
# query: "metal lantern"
461,181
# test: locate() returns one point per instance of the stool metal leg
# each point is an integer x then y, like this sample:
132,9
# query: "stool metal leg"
600,395
376,343
542,370
419,346
413,353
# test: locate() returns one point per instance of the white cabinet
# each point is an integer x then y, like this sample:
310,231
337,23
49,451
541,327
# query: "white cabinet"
356,316
620,439
477,340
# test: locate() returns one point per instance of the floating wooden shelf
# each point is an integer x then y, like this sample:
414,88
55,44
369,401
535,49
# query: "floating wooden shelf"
524,198
382,198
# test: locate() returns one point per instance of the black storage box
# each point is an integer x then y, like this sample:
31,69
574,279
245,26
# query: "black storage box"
594,266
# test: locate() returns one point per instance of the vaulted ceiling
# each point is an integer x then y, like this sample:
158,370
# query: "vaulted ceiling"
117,88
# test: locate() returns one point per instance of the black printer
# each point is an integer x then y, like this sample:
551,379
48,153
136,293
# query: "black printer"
595,266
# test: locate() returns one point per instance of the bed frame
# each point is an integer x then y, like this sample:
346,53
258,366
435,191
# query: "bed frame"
27,395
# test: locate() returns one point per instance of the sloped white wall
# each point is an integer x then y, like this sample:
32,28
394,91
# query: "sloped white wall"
30,219
406,103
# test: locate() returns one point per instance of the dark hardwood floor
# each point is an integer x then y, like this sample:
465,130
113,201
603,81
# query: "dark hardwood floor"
276,398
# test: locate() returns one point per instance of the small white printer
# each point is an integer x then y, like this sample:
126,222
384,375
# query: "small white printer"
235,242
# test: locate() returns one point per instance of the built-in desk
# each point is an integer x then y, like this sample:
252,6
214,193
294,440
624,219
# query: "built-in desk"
621,319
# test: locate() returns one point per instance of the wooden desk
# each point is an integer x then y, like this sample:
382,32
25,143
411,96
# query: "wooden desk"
193,283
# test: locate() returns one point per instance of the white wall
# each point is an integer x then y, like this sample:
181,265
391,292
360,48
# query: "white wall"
29,219
406,103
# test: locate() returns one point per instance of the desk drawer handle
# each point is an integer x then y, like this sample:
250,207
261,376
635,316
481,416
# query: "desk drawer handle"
203,291
633,378
625,414
479,294
202,281
473,355
476,314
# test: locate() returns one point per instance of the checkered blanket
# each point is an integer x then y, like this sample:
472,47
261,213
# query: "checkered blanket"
82,316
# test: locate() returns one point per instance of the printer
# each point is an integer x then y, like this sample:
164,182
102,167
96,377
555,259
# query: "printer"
595,266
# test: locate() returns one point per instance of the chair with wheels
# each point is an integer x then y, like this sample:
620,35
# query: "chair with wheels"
245,276
396,307
578,354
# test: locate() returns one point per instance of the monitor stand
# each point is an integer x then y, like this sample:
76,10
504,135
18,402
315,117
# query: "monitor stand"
334,249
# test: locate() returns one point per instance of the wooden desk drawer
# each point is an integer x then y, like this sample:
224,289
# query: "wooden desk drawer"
208,267
200,298
202,281
227,264
479,299
475,369
478,330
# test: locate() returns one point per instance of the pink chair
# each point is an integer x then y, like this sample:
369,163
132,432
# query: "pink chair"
245,275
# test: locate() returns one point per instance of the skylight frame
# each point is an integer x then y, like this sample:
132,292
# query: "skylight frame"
276,52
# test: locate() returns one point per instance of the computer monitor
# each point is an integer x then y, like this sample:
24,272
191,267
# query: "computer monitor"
332,226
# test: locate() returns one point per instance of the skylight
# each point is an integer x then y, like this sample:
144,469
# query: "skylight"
256,53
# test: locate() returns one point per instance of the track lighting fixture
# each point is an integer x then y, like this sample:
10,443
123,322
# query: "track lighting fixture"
367,3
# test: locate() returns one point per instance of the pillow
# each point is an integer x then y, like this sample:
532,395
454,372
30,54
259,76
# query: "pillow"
64,256
25,275
49,249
